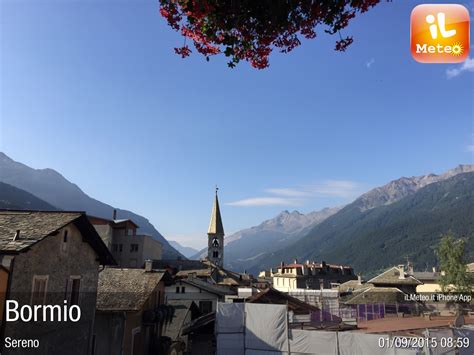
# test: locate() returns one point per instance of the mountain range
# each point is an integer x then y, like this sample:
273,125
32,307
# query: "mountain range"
244,248
58,193
403,219
13,198
186,251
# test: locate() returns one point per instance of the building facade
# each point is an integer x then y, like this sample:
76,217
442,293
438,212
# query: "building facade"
204,294
51,259
310,275
130,311
128,248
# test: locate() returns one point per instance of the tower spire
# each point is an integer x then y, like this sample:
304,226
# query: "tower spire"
215,225
215,235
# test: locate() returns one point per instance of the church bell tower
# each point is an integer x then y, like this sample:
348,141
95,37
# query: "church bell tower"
215,236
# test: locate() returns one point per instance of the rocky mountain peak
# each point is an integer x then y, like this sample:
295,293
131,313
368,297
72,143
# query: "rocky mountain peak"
404,186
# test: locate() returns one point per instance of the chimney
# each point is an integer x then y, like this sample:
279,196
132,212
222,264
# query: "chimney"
307,262
410,269
148,265
359,279
434,269
321,284
114,217
295,261
17,235
401,271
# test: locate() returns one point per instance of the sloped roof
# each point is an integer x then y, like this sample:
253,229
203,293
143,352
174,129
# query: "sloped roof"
112,222
378,295
215,225
392,277
273,296
426,275
179,264
220,290
197,272
181,308
353,285
125,289
34,226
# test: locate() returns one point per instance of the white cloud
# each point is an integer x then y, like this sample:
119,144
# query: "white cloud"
297,196
266,201
468,66
334,188
369,63
290,192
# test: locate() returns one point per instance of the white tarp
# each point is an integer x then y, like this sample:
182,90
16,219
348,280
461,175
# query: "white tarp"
230,344
308,342
351,343
230,317
354,343
438,334
262,329
465,332
266,327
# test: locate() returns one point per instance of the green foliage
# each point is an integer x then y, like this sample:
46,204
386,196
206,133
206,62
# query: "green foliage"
450,252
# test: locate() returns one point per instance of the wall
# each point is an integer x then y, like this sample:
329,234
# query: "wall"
191,293
104,229
148,248
109,331
153,249
48,258
148,334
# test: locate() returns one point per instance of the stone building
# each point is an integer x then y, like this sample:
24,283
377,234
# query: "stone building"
51,258
396,277
129,249
130,311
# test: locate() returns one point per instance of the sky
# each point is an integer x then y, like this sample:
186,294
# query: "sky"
94,90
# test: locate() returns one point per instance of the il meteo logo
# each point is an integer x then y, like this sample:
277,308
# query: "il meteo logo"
439,33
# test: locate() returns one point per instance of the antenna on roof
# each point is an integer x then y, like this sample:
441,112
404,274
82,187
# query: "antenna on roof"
217,189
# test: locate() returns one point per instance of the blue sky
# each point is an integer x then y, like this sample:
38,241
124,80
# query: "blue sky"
94,90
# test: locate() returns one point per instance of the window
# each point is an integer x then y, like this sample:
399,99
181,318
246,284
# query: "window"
177,289
215,243
64,243
120,248
205,306
136,341
215,254
183,290
39,288
133,248
130,232
75,290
